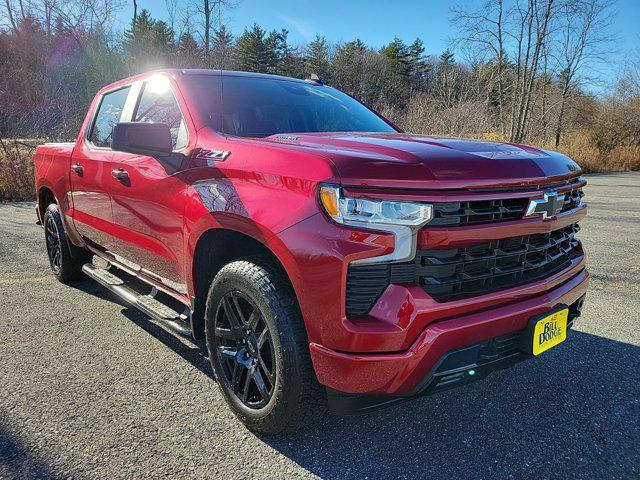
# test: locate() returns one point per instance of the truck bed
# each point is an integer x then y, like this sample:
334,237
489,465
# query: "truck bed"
46,154
51,163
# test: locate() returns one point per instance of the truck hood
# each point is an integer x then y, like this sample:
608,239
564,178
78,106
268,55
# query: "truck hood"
400,160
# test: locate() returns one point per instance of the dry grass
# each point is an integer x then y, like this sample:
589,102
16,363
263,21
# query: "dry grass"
16,171
465,120
579,147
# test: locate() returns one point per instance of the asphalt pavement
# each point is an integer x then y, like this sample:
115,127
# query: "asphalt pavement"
91,389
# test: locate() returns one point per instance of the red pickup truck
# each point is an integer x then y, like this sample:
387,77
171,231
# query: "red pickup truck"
328,258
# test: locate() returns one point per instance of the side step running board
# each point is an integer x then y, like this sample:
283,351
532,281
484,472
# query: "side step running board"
165,316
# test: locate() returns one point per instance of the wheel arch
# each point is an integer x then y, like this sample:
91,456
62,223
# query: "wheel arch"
214,248
45,197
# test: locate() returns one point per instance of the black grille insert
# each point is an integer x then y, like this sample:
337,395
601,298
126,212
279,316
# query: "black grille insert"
465,272
490,211
475,212
572,199
496,265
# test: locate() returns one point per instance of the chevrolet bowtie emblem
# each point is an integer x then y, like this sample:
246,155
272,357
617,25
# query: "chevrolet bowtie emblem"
548,206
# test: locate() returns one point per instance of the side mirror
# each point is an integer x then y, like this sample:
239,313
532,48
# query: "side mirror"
151,139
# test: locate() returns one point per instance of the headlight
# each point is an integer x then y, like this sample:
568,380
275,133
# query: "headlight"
403,219
346,210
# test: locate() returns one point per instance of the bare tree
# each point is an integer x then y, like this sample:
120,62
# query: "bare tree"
211,12
485,28
10,16
585,39
535,22
632,74
172,8
75,15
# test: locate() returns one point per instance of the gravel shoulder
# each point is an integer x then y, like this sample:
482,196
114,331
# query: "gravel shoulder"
91,389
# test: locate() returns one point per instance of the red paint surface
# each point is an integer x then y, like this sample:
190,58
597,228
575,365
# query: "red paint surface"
267,189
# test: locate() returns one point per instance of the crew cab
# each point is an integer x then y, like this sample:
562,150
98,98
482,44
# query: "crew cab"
328,258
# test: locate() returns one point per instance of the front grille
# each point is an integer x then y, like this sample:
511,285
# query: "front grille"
496,265
572,199
466,272
477,212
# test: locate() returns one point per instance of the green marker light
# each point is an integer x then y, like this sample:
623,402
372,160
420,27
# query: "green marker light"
472,372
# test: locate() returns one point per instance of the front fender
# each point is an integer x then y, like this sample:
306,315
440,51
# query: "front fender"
218,204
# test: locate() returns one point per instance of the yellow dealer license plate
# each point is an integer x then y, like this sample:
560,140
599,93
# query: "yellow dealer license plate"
549,331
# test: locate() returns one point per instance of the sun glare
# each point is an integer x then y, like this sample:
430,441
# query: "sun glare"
158,84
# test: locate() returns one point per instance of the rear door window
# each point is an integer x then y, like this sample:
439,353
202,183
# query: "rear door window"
158,105
109,113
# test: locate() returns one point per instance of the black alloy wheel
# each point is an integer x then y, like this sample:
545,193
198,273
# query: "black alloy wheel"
52,239
245,350
258,348
66,259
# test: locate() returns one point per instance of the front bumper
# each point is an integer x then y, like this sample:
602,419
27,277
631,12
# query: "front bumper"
455,368
411,372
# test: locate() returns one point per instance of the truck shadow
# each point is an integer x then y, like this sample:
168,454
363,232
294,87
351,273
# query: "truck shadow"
18,460
570,413
194,352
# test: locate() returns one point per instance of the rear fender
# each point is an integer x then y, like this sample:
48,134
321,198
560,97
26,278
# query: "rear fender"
51,169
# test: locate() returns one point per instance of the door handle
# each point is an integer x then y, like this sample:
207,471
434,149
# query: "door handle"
76,167
120,174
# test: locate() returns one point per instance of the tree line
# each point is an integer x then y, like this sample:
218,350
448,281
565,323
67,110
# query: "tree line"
517,70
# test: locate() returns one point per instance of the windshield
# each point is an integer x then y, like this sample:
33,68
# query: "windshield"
259,107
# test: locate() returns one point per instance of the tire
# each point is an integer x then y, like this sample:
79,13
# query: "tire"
283,394
65,259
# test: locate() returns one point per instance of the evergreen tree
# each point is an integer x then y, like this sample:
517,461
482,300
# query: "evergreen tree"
222,38
162,35
416,58
276,49
316,58
277,42
398,57
419,67
222,49
254,52
147,41
286,60
147,35
356,45
349,67
139,33
446,58
416,51
187,45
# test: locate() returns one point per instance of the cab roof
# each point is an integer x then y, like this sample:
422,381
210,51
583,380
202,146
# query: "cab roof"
178,72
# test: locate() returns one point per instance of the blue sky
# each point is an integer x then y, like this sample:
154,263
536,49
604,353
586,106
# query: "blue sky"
376,22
